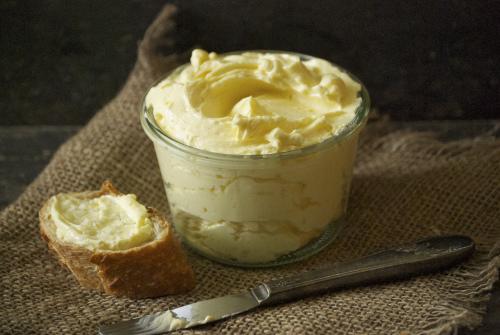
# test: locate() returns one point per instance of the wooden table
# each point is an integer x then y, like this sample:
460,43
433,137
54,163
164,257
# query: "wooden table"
25,150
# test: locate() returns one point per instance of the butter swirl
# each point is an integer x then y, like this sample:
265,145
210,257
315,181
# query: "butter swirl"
254,103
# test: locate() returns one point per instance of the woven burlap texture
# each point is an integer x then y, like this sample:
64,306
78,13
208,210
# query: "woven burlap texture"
406,186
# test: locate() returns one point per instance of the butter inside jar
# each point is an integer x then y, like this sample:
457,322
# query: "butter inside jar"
256,152
108,222
254,103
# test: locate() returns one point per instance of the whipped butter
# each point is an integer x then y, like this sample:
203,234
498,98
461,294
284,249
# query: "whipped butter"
253,103
254,209
168,321
108,222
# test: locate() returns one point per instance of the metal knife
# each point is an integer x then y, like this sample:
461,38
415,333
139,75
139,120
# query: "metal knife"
421,257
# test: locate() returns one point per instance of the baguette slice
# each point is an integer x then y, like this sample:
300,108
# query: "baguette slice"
156,268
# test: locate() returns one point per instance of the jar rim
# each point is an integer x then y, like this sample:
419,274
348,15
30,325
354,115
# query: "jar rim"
156,134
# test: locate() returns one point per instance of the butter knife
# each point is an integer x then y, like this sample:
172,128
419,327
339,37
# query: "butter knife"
420,257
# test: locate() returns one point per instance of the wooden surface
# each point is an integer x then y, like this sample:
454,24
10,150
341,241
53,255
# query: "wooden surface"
25,150
62,60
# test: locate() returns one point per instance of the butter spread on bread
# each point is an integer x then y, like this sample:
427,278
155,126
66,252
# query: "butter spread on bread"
112,243
108,222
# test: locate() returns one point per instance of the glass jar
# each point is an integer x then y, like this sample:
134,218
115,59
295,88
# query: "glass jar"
258,210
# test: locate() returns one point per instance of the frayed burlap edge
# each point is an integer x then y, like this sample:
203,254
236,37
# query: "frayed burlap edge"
469,298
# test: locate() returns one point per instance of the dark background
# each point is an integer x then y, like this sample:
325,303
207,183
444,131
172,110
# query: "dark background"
62,60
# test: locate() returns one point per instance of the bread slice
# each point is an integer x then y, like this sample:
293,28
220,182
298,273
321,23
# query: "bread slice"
156,268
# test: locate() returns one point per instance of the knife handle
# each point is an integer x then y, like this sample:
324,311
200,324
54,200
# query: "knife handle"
421,257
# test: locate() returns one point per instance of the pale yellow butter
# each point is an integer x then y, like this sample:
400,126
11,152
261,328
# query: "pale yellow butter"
253,211
254,103
107,222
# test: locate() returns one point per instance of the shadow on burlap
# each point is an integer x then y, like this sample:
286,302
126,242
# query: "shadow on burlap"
406,186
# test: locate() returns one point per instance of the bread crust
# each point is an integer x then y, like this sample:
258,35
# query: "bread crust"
157,268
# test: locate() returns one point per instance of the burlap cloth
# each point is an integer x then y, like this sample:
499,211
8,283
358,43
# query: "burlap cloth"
406,186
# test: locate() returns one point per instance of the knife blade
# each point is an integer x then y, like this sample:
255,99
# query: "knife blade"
417,258
201,312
